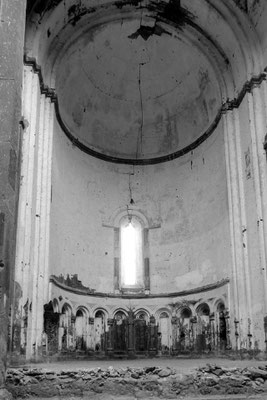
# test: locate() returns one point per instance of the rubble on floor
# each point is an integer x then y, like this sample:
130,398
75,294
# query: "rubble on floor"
151,381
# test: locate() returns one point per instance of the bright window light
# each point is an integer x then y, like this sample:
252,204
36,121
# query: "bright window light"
131,252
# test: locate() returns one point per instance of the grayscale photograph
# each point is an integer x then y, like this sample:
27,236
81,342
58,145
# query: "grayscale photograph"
133,199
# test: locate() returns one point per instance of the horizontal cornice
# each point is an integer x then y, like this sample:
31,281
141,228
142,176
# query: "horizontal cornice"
90,293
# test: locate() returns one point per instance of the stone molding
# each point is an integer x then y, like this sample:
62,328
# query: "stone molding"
84,292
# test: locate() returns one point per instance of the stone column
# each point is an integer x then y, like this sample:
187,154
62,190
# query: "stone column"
174,323
247,190
241,290
212,332
257,105
228,329
153,336
72,336
193,321
236,323
32,252
110,340
131,334
12,27
90,342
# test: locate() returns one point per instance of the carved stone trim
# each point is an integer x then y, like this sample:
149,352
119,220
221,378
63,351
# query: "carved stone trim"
200,289
47,91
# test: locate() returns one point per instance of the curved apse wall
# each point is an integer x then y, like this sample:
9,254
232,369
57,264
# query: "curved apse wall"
184,201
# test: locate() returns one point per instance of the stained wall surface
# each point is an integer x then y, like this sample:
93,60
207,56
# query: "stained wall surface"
12,21
184,202
257,11
135,96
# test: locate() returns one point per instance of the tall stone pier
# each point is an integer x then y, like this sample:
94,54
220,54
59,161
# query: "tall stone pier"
12,27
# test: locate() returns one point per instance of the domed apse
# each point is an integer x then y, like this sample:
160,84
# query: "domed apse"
162,82
132,91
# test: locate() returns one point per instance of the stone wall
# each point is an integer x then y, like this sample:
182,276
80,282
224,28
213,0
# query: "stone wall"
184,202
145,382
12,22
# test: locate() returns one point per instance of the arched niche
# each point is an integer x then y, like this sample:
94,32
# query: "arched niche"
100,328
165,335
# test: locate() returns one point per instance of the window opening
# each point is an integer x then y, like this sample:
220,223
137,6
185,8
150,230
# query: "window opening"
131,253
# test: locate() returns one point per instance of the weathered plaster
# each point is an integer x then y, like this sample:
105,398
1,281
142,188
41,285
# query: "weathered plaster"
187,198
135,98
12,22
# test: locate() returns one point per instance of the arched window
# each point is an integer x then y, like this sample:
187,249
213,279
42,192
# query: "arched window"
131,253
131,249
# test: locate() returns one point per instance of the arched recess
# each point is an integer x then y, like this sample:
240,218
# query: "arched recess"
203,336
165,334
119,313
100,329
66,304
66,333
184,327
221,325
142,315
235,56
119,331
55,303
81,328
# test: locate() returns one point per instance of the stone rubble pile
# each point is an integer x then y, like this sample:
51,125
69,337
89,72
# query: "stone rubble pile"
140,382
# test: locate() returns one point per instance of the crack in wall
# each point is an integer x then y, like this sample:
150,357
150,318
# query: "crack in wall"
131,201
169,91
101,90
140,134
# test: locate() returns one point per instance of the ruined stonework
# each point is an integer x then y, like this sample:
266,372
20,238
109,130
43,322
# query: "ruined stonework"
156,382
164,327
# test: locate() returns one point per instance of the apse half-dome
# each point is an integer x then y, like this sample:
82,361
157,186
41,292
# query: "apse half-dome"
133,88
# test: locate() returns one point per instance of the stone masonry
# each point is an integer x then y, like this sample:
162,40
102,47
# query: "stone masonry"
145,382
